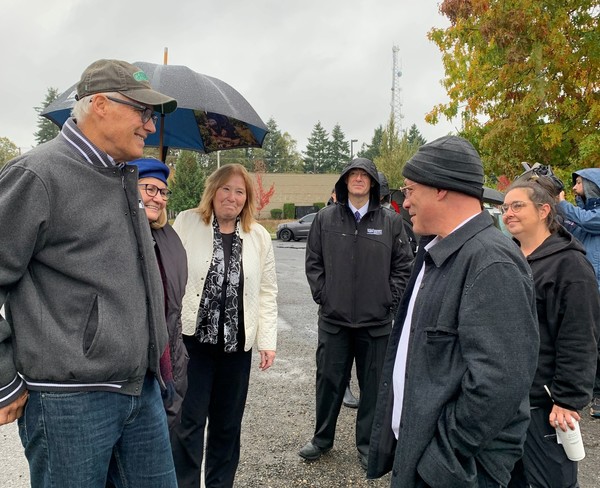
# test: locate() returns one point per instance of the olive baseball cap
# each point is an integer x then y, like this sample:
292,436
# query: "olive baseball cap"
112,75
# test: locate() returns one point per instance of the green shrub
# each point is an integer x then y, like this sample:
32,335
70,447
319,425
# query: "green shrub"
276,213
319,205
289,211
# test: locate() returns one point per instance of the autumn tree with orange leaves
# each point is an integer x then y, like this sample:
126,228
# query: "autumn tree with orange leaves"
524,76
263,197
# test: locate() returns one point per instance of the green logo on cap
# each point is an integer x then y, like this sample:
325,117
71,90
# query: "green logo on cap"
140,76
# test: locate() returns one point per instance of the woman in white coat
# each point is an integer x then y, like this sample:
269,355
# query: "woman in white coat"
229,305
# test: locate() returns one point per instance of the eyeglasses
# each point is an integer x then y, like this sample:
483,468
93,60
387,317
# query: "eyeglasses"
356,173
516,207
152,190
146,112
407,190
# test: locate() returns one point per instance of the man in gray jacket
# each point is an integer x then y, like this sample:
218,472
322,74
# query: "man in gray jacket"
85,323
453,405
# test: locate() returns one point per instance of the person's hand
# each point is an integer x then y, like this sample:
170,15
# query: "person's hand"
561,417
561,196
266,359
14,410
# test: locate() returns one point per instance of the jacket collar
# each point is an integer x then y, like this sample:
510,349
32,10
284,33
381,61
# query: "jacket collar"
450,244
88,150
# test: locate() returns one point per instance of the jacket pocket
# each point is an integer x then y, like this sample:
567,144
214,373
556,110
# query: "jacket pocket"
441,352
91,327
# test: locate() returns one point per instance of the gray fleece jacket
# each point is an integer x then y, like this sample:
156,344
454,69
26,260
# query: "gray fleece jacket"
78,276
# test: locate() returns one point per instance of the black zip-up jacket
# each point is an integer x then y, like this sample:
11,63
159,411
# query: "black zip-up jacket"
357,272
568,308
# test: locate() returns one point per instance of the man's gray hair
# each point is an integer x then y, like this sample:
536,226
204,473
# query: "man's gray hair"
83,106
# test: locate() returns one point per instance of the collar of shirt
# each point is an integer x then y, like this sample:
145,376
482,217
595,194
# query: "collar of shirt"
362,210
90,152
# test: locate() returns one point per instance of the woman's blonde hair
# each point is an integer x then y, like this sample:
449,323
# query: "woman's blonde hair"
215,181
161,221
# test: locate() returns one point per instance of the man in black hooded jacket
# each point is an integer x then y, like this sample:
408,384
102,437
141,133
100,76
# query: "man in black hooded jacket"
357,264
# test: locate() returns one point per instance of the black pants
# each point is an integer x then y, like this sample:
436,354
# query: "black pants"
337,348
544,463
217,391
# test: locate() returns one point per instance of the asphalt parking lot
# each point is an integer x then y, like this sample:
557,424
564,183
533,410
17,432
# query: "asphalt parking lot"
280,410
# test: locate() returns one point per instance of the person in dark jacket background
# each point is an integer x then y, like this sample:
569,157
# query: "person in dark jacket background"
583,221
453,403
568,310
357,266
172,263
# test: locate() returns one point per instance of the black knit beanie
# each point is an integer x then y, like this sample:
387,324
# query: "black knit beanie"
449,163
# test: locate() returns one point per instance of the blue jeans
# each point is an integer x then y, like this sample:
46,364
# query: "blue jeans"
81,439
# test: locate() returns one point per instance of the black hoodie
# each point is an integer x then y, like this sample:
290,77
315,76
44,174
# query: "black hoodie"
568,308
357,271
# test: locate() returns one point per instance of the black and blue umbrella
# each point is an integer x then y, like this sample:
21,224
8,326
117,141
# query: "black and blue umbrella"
210,115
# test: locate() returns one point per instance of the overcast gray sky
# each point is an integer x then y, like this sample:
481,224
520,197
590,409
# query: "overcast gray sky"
296,61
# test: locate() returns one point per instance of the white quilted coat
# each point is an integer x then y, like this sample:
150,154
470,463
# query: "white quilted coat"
260,280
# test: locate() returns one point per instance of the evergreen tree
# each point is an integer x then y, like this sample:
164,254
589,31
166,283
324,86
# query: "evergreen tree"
47,130
245,156
339,151
271,148
415,137
371,151
317,150
187,182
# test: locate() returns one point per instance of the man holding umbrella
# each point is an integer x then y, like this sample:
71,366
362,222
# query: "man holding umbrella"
84,329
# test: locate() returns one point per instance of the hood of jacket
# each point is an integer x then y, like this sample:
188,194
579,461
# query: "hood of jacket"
556,244
591,186
341,188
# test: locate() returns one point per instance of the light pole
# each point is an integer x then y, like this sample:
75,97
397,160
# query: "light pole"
352,141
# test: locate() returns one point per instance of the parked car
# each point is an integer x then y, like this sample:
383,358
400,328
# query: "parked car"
297,229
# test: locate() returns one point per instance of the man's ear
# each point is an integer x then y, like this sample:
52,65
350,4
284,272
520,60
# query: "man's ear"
441,194
99,104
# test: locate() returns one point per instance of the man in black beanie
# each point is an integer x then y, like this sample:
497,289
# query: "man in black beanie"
453,404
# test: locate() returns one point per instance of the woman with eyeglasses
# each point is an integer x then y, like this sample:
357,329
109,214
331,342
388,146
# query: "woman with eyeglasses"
172,262
568,309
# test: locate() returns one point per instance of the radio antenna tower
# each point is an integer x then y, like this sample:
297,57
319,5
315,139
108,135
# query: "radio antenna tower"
396,91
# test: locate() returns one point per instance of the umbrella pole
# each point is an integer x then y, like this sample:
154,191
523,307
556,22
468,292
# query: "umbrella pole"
161,145
163,149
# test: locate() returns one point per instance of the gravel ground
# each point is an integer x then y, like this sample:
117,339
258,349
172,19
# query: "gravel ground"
279,416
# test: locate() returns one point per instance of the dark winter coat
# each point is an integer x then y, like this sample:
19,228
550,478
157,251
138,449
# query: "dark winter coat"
357,271
472,355
568,308
173,258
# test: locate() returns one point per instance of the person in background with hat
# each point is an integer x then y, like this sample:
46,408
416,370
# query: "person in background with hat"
393,206
172,263
583,221
357,266
453,405
85,324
